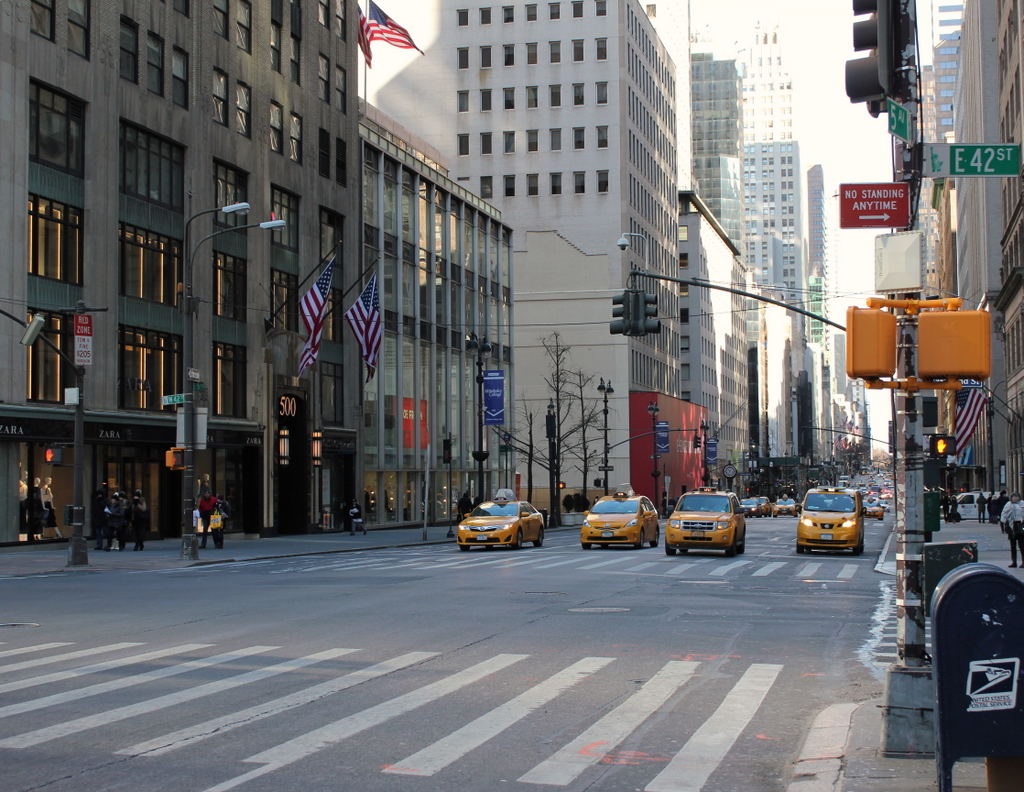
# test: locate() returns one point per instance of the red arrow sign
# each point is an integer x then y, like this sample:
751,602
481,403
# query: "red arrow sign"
874,205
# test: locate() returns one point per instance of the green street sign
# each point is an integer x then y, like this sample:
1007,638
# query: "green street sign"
972,159
899,121
198,386
504,449
174,398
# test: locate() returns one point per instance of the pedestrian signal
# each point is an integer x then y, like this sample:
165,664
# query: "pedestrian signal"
175,459
54,455
941,445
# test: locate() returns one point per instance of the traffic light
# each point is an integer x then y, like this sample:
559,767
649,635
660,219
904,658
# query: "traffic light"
696,442
954,344
870,343
561,485
621,310
54,455
643,306
175,458
941,446
446,451
869,79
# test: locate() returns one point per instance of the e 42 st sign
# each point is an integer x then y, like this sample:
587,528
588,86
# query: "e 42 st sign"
971,159
874,205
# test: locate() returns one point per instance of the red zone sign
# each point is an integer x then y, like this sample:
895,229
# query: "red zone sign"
874,205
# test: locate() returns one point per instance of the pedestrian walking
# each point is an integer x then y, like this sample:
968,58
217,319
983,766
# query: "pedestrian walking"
1000,503
99,517
1012,520
115,523
357,517
465,505
982,507
207,504
138,518
218,526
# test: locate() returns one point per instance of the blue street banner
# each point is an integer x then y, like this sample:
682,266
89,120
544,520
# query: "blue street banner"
661,429
494,398
711,449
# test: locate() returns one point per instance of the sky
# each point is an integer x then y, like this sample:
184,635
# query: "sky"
850,145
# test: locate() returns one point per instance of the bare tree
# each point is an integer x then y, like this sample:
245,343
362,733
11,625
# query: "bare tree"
585,429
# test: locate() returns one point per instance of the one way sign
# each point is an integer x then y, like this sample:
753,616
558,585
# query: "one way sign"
874,205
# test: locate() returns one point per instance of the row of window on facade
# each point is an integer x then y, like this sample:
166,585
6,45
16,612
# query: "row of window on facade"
508,140
510,184
508,53
508,13
532,97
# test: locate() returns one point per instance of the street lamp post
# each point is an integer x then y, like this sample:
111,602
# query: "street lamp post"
552,434
481,347
653,409
189,542
605,391
705,475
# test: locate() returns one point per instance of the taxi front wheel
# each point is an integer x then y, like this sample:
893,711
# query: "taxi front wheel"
585,545
464,548
518,543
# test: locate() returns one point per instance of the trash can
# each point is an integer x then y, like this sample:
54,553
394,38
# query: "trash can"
977,644
941,558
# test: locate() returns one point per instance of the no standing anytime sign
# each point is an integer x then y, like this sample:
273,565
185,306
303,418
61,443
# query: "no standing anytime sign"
874,205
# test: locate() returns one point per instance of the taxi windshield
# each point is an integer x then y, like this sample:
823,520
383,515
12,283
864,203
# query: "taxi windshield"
828,502
496,510
614,507
703,503
785,502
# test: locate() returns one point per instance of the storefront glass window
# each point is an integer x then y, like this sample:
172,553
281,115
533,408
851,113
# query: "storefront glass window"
150,366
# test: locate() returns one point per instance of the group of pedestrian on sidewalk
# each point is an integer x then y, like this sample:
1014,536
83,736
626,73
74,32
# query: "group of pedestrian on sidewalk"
113,516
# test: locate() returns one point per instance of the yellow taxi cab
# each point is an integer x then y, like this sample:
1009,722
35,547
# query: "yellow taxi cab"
831,518
874,508
707,519
501,522
785,506
622,518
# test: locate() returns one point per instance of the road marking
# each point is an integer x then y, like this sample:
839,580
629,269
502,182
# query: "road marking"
442,753
6,669
679,569
558,563
567,764
638,567
521,563
848,571
307,744
606,563
77,725
192,734
722,570
767,569
808,570
690,769
36,648
129,681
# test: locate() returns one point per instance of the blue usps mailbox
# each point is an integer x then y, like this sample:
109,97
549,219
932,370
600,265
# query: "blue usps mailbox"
978,643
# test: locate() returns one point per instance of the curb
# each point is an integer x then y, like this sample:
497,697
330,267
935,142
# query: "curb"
819,767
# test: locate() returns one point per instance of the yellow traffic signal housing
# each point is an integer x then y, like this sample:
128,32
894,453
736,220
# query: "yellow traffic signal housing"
175,459
870,343
954,344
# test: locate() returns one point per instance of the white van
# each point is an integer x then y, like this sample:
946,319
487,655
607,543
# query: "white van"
966,504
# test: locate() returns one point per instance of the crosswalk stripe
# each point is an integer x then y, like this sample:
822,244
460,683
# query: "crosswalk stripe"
77,725
36,648
690,769
638,567
557,563
678,569
606,563
123,682
121,663
7,669
524,562
847,572
808,570
767,569
568,763
192,734
307,744
460,742
723,570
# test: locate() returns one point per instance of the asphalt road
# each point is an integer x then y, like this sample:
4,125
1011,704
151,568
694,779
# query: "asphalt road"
548,668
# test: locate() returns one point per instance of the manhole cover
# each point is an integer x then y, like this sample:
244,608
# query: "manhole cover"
20,624
598,610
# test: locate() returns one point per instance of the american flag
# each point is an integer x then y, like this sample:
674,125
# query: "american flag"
313,308
970,401
364,317
364,38
378,25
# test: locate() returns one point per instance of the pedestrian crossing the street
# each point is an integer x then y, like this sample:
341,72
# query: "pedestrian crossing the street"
437,713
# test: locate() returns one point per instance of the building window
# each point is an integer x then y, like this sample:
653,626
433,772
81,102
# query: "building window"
486,186
56,130
283,295
579,138
602,181
220,18
181,6
531,12
229,286
531,54
485,100
508,14
54,240
602,49
323,77
220,97
179,77
600,8
462,145
129,64
294,60
602,137
341,88
577,94
532,97
463,57
485,16
78,27
602,93
275,46
462,17
556,183
295,138
554,11
155,64
230,186
276,128
555,94
532,140
42,18
510,54
340,161
332,391
285,206
229,386
532,184
577,50
510,186
243,25
485,57
323,13
150,265
149,367
243,110
555,51
462,102
152,168
485,143
510,142
46,369
579,182
556,139
510,98
577,9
